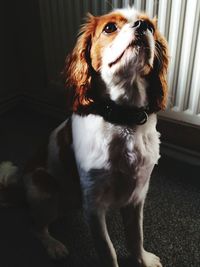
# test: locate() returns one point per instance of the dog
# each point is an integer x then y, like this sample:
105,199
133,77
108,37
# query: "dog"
102,156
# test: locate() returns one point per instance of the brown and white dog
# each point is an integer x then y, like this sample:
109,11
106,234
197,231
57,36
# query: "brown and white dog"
103,155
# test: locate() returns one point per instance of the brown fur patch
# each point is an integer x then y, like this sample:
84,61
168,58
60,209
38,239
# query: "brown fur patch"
38,160
158,76
44,182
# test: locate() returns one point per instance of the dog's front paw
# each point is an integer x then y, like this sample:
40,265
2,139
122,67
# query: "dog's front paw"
55,249
149,260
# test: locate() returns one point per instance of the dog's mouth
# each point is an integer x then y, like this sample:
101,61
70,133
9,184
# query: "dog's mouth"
118,59
137,45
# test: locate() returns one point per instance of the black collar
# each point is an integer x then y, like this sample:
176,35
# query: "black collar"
115,113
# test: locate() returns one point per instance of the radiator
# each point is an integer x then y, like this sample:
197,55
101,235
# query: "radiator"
178,20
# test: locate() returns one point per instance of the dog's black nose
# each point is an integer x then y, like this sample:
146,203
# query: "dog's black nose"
141,26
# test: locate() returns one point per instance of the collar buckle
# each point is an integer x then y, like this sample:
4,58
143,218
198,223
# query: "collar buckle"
142,117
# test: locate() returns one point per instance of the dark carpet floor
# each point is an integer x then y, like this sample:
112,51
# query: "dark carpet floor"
171,218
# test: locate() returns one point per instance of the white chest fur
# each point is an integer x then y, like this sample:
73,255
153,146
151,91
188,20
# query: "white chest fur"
90,142
92,136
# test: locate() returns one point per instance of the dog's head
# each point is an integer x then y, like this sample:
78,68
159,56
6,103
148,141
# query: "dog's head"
124,50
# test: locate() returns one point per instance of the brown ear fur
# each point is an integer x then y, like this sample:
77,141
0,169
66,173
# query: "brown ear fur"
158,77
77,69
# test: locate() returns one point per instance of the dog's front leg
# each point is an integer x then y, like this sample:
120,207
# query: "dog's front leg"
95,215
103,244
133,223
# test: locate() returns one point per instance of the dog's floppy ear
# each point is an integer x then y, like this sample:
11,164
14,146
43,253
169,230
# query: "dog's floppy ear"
77,66
158,77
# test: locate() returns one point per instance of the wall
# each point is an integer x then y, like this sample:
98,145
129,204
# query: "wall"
10,80
24,73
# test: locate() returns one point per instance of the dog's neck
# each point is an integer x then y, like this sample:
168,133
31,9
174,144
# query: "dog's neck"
115,113
125,87
129,109
130,93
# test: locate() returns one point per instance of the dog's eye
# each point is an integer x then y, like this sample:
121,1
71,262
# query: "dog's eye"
151,28
110,27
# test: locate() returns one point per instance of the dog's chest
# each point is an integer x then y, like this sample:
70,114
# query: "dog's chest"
115,157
